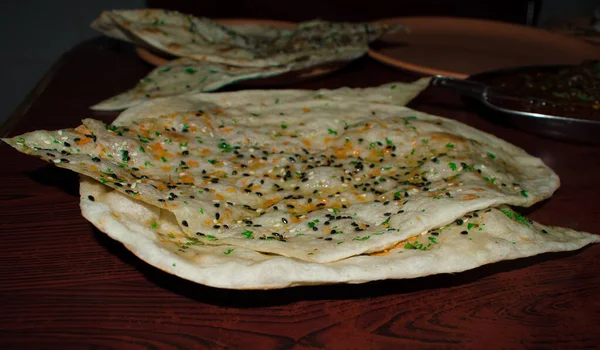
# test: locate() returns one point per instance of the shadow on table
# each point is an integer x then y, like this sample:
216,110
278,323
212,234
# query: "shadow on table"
267,298
63,179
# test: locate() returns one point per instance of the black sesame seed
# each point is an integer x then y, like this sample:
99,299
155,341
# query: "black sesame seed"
217,216
284,220
459,222
464,233
185,223
91,198
435,233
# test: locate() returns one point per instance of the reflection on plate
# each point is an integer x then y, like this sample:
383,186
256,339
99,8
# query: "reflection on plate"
460,47
157,59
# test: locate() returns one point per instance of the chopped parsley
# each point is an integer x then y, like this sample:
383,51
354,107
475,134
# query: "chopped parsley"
361,238
516,216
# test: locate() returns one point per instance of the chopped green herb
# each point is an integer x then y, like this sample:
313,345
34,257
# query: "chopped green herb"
516,216
333,132
491,155
125,155
228,251
449,145
190,70
452,166
248,234
524,193
361,238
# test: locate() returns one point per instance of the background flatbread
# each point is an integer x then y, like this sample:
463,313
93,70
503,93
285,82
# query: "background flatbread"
185,76
205,40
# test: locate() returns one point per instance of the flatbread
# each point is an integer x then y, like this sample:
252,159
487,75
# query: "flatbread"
282,172
313,42
185,76
485,237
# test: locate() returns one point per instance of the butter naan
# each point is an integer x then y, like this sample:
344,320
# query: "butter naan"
313,175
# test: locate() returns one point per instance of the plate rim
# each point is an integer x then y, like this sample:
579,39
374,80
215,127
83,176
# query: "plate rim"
398,63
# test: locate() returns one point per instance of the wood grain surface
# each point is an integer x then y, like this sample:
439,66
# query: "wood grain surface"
65,285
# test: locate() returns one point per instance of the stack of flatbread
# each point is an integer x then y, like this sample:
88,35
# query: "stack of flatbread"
213,55
272,189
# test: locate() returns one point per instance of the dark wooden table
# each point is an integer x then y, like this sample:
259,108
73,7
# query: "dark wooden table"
63,284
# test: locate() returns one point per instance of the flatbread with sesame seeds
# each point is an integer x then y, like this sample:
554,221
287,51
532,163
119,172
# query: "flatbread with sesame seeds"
316,176
213,55
476,239
185,76
181,35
